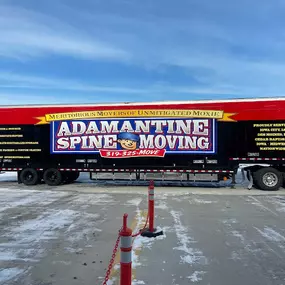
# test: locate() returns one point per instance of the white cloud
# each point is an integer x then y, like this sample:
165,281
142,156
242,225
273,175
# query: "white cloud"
244,59
161,91
229,53
9,98
232,75
25,34
52,98
45,87
19,81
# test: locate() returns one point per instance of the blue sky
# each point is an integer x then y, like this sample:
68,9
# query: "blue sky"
93,51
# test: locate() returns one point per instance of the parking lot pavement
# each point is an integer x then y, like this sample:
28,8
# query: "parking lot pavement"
50,237
66,235
216,240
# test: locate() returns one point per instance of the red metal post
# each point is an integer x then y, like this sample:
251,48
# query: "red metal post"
151,206
126,253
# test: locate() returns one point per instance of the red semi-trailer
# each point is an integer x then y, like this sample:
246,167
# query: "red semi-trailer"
54,143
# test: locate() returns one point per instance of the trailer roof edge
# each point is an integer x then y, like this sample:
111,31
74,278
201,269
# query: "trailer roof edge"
147,103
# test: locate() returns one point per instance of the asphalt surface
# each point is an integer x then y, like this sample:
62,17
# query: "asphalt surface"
65,235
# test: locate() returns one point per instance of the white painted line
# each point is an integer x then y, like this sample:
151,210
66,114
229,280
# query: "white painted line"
264,207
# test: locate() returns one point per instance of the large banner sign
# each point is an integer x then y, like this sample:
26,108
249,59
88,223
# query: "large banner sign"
137,113
134,137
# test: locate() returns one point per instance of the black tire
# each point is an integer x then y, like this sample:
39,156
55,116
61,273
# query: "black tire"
29,176
268,178
52,177
65,177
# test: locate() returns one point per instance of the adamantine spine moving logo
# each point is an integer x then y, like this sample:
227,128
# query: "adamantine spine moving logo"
135,137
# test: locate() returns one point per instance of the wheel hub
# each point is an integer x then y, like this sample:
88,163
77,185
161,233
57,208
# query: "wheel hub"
53,176
270,179
29,177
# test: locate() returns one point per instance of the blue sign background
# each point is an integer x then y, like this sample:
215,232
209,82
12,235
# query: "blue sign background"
212,135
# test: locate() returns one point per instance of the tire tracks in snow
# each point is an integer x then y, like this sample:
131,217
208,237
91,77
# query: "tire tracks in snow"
190,255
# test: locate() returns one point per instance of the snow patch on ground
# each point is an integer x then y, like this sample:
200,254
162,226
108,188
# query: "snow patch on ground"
30,223
196,276
140,242
86,200
201,201
8,176
235,256
97,230
137,282
161,205
259,204
238,235
10,273
17,198
61,262
134,202
27,238
177,199
74,250
278,201
191,255
43,227
161,196
111,281
78,231
144,242
248,247
230,221
271,234
16,255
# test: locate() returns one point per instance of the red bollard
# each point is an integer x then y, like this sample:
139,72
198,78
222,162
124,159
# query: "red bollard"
151,206
151,231
126,253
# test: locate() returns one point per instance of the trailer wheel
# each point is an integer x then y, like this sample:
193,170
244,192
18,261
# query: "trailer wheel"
268,178
29,176
65,177
52,177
